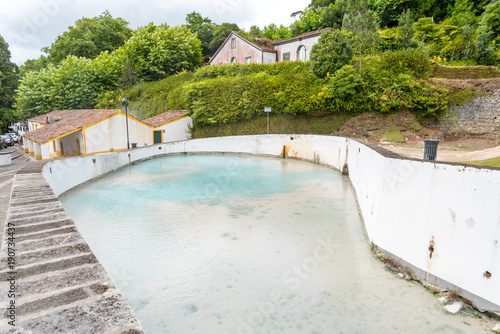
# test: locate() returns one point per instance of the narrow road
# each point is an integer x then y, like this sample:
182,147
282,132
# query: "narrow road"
19,160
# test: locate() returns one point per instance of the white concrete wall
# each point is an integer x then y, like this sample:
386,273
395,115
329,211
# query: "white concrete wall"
5,159
177,130
294,46
46,151
69,144
405,203
112,133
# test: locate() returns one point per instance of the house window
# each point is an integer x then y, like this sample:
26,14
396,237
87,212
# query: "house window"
233,60
233,43
248,60
286,56
301,53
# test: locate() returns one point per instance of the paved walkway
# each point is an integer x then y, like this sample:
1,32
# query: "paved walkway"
447,155
19,160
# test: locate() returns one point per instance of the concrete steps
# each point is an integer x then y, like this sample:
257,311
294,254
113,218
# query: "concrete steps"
58,283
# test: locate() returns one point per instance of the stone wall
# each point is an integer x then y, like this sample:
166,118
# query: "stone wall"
478,118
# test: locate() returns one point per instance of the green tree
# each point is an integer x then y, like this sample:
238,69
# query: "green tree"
255,32
8,76
316,4
159,51
309,20
406,30
332,51
33,65
274,32
334,14
73,84
220,34
203,28
8,84
363,23
488,35
89,37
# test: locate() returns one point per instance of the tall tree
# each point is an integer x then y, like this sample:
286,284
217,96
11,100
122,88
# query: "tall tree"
309,20
8,85
89,37
203,27
363,23
33,65
8,76
159,51
406,29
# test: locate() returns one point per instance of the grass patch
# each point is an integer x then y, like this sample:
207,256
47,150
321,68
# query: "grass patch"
464,72
278,124
494,162
394,135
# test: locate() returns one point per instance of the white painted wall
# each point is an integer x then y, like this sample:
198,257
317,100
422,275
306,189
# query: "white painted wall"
292,47
46,151
177,130
5,159
112,133
404,203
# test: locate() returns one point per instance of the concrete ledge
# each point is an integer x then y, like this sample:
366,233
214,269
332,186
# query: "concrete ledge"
49,277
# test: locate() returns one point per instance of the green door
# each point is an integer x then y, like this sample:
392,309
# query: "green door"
157,137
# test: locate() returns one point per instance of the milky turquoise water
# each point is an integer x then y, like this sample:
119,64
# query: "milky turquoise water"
232,244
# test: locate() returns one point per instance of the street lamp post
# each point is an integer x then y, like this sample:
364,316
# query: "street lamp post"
125,102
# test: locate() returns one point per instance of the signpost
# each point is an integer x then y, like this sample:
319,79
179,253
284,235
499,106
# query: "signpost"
267,110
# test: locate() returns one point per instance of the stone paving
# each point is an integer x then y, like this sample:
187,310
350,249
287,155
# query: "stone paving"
59,285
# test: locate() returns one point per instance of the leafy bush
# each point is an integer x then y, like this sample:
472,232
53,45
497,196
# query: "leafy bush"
230,99
332,51
409,61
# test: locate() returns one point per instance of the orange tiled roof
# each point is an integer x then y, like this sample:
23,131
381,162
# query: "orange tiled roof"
160,119
65,122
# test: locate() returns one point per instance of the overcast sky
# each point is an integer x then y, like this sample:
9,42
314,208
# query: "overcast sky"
29,25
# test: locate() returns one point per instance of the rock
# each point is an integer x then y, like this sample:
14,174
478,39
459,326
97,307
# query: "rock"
496,328
442,300
401,275
454,308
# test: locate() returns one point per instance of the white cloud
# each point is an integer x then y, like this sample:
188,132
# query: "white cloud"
29,25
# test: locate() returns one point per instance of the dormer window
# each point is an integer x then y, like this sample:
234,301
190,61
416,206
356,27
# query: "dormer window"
233,43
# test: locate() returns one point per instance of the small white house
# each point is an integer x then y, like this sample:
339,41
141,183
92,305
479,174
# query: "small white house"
238,50
170,126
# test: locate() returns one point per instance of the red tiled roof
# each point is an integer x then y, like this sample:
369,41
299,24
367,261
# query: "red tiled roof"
160,119
69,121
302,36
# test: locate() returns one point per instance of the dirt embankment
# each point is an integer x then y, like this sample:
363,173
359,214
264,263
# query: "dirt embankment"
402,130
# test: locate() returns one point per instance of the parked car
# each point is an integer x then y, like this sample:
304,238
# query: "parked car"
8,140
13,136
3,143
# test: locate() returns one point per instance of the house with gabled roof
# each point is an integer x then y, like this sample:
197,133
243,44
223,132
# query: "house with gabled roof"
63,133
170,126
238,50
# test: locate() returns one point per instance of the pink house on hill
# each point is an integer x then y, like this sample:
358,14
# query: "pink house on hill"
238,50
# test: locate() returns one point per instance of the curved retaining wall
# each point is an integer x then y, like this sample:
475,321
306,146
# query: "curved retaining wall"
441,220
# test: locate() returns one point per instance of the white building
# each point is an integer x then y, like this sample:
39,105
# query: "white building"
63,133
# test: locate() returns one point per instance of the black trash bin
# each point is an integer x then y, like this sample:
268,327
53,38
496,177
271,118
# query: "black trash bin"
134,145
430,149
